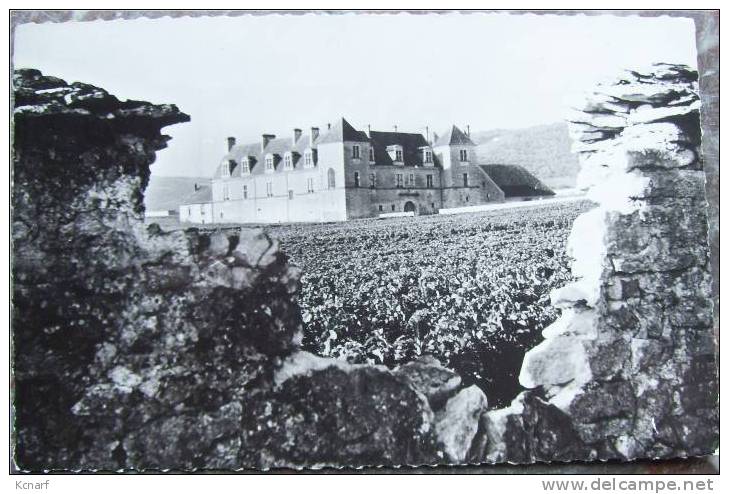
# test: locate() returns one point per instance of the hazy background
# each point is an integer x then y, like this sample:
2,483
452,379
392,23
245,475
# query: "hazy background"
248,75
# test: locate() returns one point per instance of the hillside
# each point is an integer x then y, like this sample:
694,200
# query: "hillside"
543,150
165,193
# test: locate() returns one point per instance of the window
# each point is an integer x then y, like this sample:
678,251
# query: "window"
463,154
245,192
355,152
398,179
331,179
269,189
429,181
465,179
372,180
428,157
202,209
466,198
291,194
307,159
225,171
310,185
189,210
226,192
287,161
356,179
245,166
412,180
432,204
393,207
269,163
380,207
372,154
398,155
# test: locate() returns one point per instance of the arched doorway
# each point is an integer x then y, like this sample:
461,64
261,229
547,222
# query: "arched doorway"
410,206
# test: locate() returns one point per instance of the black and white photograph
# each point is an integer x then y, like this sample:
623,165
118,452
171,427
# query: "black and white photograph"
296,241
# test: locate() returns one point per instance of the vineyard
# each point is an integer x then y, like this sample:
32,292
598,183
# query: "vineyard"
471,290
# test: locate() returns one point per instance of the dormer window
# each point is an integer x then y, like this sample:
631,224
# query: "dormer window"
288,162
309,158
225,168
355,152
269,163
463,155
428,157
395,152
372,155
245,166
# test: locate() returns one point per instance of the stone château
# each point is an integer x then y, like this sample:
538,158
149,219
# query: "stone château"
344,173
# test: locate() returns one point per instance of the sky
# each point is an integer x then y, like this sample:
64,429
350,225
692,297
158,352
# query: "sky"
249,75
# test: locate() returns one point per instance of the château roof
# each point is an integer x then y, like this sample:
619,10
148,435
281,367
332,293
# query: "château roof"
204,193
410,145
454,136
516,180
342,131
278,147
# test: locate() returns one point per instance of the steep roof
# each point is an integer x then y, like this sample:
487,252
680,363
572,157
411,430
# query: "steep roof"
410,147
204,193
278,147
516,181
342,131
453,136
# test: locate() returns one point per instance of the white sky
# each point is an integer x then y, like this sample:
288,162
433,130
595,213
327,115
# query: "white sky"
248,75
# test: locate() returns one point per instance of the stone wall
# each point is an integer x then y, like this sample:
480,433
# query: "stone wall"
628,371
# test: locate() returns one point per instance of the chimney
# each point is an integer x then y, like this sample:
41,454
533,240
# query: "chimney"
329,126
231,143
368,130
468,130
297,135
314,134
427,135
266,139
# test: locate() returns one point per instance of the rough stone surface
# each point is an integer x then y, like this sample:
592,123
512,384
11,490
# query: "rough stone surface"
640,378
429,377
456,425
340,414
